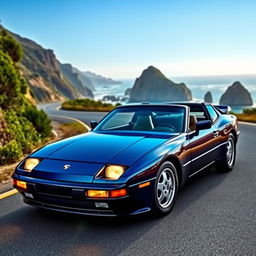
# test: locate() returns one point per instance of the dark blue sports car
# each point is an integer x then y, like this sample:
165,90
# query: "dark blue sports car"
134,161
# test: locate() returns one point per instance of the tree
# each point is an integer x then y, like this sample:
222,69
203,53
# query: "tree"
10,83
10,46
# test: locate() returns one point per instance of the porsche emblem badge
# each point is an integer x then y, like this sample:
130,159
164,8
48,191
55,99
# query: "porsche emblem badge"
66,166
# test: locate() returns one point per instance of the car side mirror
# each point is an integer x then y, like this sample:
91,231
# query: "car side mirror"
93,124
203,125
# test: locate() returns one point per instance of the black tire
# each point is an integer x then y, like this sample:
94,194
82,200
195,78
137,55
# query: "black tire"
168,188
227,163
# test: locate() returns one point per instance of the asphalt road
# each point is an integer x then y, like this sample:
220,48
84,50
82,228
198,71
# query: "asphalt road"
61,115
215,214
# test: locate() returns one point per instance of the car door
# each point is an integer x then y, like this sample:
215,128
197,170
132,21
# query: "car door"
202,143
222,127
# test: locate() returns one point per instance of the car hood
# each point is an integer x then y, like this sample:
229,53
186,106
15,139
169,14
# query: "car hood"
87,154
102,148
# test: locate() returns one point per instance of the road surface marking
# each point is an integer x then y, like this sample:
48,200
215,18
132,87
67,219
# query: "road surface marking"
55,133
8,193
247,123
73,119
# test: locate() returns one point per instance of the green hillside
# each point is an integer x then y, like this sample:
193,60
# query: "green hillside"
22,126
42,71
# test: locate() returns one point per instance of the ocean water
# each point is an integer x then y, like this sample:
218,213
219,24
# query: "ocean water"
217,85
113,89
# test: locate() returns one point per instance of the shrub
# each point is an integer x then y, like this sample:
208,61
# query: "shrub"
87,105
249,111
39,119
10,152
23,125
10,83
22,131
10,46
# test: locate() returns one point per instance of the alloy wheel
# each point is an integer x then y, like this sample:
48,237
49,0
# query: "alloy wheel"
166,187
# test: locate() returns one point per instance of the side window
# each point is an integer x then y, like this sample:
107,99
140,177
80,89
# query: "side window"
198,112
212,113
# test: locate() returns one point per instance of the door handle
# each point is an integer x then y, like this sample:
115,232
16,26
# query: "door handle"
216,134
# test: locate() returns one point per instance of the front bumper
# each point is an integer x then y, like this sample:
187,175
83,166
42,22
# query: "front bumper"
71,197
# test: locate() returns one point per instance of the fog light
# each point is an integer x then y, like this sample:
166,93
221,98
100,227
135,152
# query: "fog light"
28,195
20,184
97,193
118,193
101,205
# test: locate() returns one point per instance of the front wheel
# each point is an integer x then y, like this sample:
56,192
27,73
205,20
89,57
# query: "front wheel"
165,190
227,163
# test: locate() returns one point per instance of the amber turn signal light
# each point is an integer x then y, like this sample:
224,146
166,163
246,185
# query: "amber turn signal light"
20,184
105,193
118,193
144,184
98,193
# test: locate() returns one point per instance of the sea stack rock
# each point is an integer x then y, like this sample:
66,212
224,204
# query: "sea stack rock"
127,92
208,97
153,86
236,95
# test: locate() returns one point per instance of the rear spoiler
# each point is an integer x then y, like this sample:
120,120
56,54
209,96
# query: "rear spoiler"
223,108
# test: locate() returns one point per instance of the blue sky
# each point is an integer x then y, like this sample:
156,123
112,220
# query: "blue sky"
119,38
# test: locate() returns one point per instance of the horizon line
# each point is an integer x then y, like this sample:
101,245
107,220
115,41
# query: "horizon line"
181,76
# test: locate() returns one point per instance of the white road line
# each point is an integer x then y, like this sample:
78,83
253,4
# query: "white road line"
73,119
55,133
247,123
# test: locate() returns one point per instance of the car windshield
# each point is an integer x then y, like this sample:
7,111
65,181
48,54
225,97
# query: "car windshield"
168,119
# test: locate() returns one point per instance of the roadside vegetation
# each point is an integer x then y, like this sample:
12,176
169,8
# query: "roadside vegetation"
87,105
71,129
248,115
63,130
22,126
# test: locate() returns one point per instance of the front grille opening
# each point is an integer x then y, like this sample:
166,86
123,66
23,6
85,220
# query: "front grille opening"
54,190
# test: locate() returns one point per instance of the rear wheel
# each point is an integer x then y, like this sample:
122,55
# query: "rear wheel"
226,164
165,190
